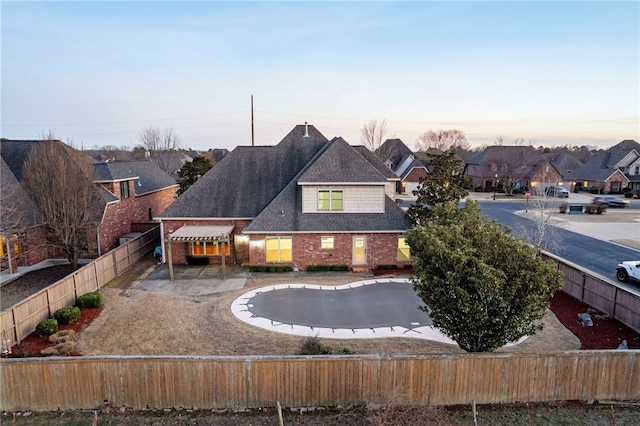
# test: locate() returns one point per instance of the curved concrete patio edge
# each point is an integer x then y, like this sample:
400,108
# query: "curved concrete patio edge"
240,311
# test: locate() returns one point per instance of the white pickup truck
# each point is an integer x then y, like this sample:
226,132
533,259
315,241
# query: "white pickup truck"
628,270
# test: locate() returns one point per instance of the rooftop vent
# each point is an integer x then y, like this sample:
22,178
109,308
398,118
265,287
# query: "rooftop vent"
306,130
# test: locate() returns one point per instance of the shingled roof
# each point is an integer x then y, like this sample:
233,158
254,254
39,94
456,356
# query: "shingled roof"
246,180
341,163
18,210
284,213
149,177
603,165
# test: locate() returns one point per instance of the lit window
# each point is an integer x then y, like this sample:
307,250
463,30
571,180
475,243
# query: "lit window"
404,253
124,189
329,199
214,248
326,242
279,249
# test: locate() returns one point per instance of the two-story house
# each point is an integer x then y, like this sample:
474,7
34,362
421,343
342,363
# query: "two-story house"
612,170
305,201
132,193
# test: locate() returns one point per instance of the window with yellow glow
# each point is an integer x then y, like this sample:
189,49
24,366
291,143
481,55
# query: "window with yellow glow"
404,253
326,242
215,248
330,199
279,249
3,246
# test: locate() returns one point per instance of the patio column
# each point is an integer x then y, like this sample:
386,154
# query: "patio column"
170,260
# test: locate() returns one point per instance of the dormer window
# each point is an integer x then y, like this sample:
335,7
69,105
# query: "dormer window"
330,200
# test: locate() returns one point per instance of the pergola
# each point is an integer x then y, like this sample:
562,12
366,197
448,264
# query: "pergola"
191,234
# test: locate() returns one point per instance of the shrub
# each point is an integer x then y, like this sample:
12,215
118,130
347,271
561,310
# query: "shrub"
318,268
594,209
313,346
387,266
564,207
270,268
67,315
47,327
89,300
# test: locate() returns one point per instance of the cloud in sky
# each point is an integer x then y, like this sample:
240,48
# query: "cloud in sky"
99,72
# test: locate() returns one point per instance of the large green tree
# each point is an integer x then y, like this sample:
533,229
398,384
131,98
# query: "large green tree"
191,171
443,183
482,286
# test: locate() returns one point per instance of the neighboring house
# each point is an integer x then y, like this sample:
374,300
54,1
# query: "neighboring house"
565,163
21,228
404,163
133,192
305,201
515,167
611,171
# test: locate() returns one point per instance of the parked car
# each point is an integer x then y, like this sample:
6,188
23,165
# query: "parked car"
632,193
610,200
628,270
557,191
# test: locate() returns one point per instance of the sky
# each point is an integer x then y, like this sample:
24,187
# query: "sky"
98,73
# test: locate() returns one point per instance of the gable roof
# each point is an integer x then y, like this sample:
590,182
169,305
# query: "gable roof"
149,177
284,213
341,163
246,180
604,164
375,162
565,164
394,150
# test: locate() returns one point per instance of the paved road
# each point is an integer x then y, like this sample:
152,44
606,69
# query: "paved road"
593,254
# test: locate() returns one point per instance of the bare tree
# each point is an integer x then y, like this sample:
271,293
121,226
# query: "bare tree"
59,180
513,164
154,139
442,140
373,134
161,146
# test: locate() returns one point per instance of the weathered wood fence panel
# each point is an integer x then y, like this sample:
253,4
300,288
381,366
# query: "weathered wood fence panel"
20,320
600,293
237,382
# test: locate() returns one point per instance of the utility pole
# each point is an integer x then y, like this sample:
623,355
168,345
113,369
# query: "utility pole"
252,134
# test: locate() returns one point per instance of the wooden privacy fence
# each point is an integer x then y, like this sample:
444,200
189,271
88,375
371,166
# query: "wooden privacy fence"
20,320
600,293
44,384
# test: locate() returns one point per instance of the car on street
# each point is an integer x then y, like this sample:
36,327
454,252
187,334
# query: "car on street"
557,191
628,270
610,200
632,193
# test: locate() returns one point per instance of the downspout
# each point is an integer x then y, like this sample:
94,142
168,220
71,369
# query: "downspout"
164,260
98,239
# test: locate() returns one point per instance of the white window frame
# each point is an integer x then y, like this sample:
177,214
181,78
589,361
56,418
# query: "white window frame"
331,201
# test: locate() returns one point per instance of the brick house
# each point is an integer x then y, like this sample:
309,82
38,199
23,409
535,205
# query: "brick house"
515,167
612,170
404,163
305,201
133,192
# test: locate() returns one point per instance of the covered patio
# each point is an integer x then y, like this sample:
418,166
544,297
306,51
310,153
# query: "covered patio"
217,237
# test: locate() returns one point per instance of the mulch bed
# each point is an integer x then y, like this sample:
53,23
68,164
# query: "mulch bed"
606,333
34,343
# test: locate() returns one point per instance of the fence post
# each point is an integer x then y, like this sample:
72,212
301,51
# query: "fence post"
115,262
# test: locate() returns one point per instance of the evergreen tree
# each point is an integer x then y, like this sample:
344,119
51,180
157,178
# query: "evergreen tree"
443,183
482,286
191,171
